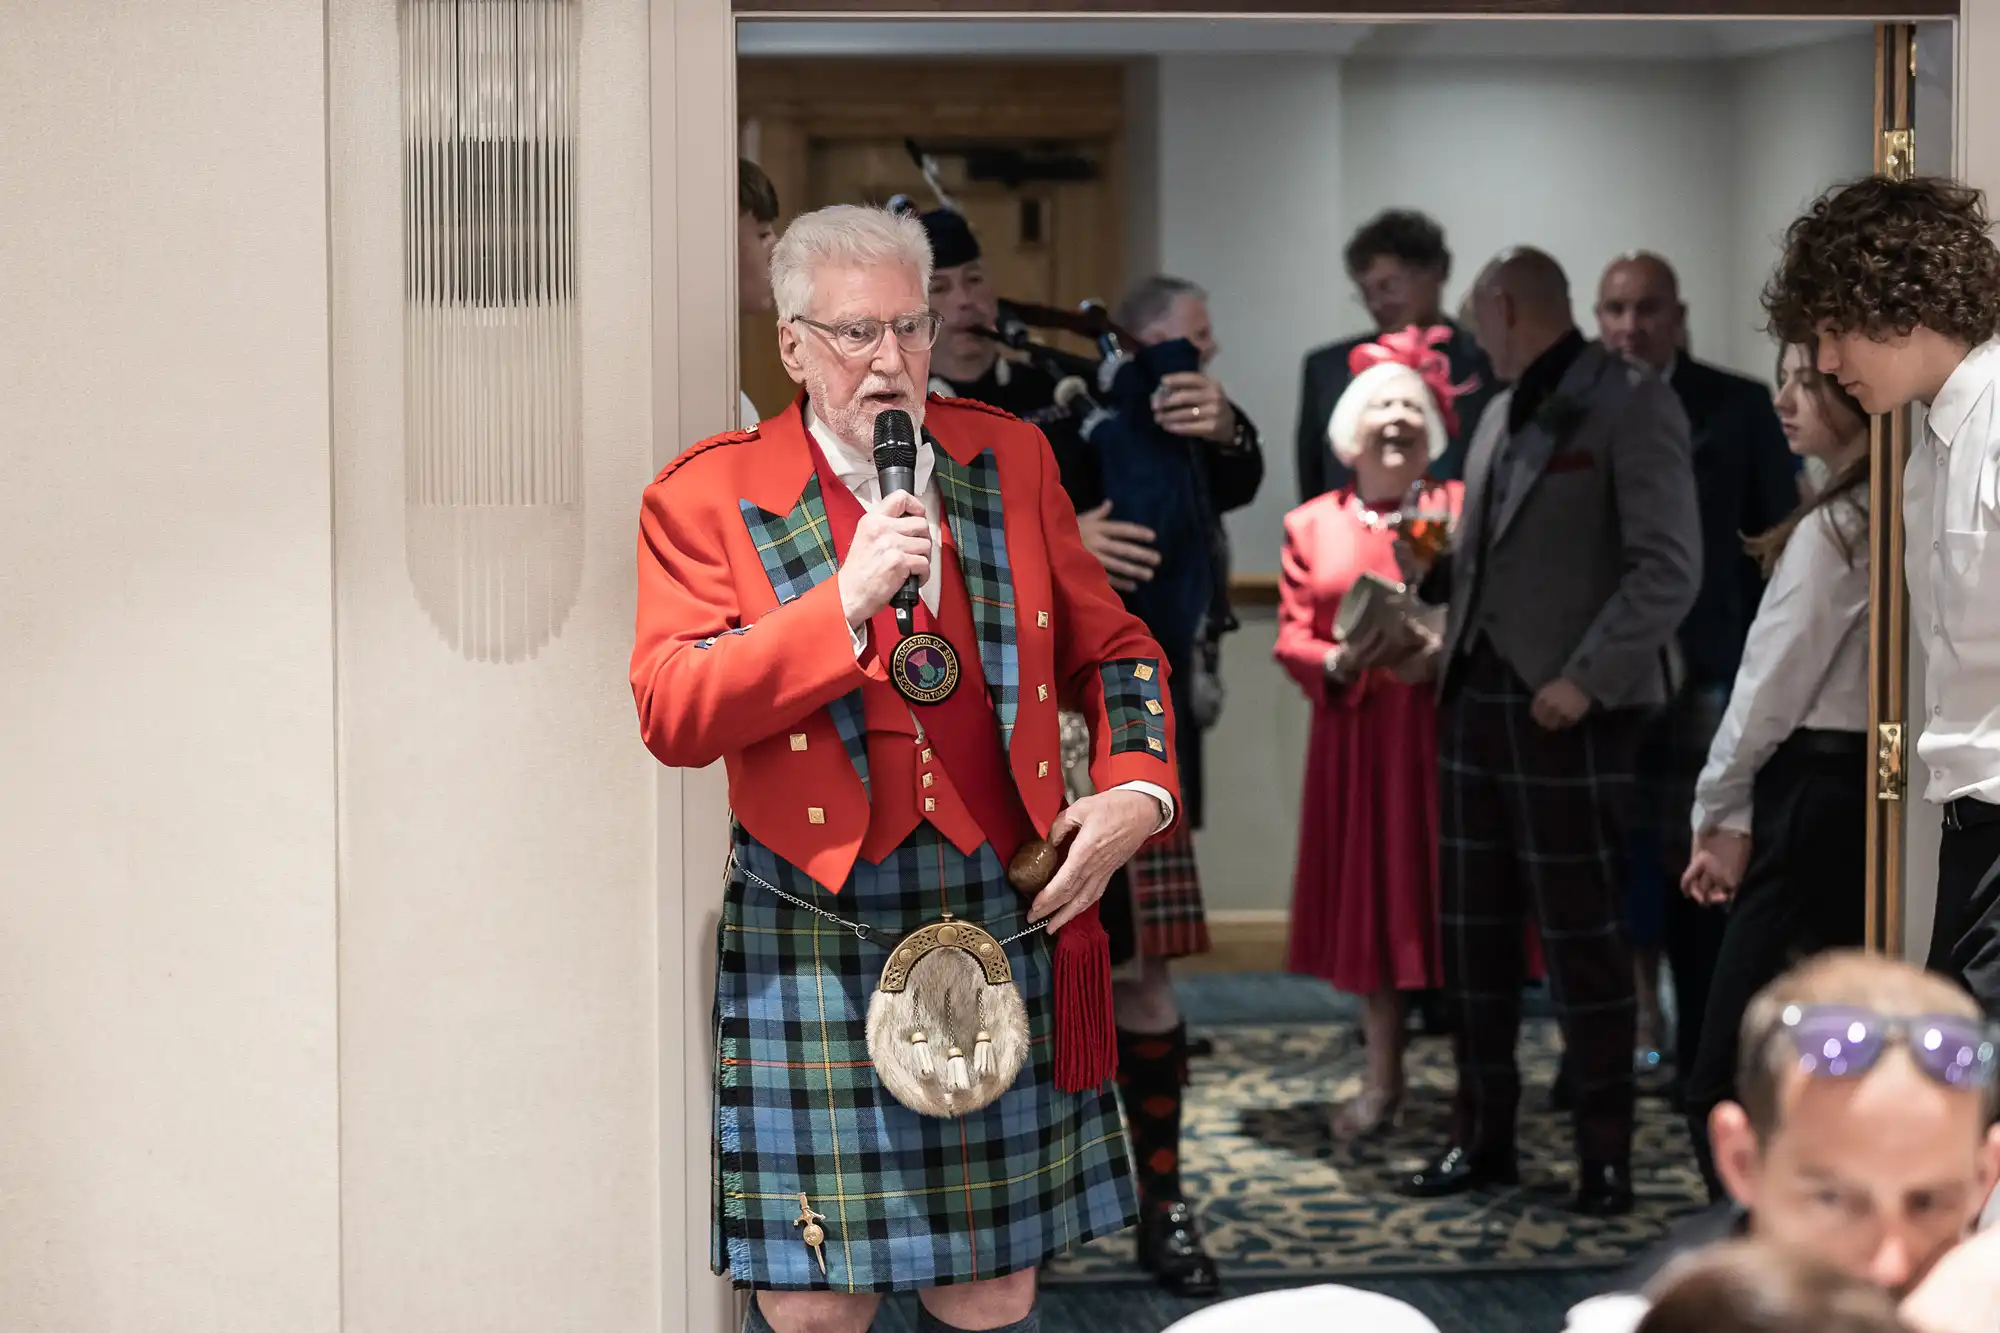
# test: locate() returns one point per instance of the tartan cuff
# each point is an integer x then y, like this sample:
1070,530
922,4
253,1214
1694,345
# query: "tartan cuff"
1133,706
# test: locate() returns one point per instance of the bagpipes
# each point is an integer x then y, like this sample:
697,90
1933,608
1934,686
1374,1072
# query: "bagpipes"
1151,476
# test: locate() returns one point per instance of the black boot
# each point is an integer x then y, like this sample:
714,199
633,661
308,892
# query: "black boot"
1152,1070
1604,1189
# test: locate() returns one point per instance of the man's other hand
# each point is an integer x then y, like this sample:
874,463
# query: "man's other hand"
1559,705
1102,832
1125,550
1190,403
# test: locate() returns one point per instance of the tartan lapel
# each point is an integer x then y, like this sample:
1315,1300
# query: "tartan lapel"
971,494
797,551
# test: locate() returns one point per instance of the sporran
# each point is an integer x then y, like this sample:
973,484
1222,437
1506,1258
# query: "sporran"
947,1028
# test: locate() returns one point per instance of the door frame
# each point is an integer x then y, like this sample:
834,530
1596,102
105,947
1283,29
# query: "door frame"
1889,594
693,52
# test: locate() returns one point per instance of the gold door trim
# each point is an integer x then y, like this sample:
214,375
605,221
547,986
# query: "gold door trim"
1888,606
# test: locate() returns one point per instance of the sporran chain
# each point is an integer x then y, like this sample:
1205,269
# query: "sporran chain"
864,933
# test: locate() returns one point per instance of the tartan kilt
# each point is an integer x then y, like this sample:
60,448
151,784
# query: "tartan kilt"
910,1201
1166,888
1165,882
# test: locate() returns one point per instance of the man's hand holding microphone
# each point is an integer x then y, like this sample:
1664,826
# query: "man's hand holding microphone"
890,556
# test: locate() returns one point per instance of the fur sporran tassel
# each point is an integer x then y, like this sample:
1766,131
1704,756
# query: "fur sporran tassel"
920,1046
1086,1033
955,1077
982,1055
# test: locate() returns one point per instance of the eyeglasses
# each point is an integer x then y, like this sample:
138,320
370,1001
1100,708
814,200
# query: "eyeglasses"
915,332
1845,1041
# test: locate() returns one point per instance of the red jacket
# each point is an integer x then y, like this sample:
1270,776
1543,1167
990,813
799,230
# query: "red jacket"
742,652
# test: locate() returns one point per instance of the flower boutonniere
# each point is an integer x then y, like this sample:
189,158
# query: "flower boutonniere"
1560,415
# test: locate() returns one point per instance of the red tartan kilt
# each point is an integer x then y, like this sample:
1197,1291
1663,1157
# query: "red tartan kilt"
1166,892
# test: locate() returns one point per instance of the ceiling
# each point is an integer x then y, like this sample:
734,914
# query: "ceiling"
1508,39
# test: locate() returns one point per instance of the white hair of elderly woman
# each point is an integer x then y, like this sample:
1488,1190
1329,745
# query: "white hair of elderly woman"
1343,431
843,236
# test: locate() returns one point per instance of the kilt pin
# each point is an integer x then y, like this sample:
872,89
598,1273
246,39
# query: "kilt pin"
743,653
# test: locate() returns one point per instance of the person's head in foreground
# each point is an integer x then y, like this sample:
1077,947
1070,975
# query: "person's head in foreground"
855,327
1862,1137
1755,1287
1893,282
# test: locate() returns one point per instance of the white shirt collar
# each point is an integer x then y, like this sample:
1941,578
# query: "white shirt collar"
857,469
1961,393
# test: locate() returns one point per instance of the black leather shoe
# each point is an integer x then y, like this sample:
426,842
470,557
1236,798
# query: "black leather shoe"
1459,1170
1603,1189
1170,1248
1562,1092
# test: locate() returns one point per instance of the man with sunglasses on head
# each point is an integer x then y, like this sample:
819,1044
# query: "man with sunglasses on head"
913,1000
1862,1135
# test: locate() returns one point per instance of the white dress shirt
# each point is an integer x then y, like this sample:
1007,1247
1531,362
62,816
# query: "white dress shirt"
746,411
856,471
1951,506
1805,663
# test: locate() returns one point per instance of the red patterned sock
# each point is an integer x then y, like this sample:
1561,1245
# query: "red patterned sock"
1152,1069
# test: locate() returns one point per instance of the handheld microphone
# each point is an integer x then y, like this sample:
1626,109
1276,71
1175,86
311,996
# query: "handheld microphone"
896,469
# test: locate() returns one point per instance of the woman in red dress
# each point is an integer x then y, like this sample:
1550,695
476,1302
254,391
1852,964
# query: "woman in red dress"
1364,900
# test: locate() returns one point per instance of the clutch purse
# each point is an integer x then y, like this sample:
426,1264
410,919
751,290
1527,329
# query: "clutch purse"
1373,602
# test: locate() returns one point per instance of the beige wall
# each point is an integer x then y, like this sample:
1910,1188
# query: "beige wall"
499,1032
167,1018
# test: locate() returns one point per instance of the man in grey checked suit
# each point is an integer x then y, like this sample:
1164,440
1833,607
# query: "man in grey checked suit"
1576,559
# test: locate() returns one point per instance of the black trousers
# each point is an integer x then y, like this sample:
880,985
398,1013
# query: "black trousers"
1804,891
1965,929
1670,762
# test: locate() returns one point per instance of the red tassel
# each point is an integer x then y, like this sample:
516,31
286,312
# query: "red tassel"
1086,1031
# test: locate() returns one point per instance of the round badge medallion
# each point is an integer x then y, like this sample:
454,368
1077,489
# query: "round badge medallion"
924,669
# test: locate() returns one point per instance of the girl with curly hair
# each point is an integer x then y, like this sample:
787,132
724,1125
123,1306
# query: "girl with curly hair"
1896,284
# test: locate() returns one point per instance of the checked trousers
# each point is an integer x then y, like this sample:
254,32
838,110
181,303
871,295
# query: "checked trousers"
1533,822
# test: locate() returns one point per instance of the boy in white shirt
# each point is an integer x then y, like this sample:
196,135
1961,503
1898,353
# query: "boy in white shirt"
1897,283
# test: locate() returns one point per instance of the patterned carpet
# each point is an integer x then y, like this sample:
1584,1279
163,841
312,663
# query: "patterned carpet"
1281,1201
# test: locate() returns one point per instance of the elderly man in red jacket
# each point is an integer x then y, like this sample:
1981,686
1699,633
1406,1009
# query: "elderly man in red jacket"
911,1074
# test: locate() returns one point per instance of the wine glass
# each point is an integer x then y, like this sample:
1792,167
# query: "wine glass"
1424,523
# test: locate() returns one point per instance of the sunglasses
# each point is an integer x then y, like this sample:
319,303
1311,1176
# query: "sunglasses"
1845,1041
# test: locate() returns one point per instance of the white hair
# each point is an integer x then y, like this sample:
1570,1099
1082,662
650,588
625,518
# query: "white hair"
844,236
1343,432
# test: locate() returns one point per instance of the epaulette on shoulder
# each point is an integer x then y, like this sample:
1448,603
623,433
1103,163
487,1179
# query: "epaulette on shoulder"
694,451
978,406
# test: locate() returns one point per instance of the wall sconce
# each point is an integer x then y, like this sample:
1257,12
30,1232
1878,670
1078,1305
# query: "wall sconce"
492,365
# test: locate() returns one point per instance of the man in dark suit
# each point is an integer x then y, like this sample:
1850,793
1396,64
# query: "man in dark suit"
1576,556
1399,264
1746,481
